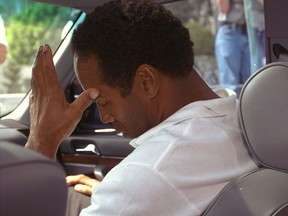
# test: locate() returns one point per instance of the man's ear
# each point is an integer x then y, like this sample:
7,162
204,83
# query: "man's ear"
147,80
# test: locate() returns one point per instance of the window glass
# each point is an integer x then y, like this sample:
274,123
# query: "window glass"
24,26
204,20
254,11
198,17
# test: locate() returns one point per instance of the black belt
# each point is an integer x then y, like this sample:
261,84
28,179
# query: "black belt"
235,26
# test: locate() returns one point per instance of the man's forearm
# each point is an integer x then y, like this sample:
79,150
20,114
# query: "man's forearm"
3,53
223,6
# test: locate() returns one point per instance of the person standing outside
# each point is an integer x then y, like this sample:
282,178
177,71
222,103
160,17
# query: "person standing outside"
3,41
232,44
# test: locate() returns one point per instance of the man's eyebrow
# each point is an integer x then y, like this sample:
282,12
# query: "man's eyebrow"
100,97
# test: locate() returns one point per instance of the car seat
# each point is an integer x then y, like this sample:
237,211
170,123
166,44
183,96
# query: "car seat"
264,121
30,184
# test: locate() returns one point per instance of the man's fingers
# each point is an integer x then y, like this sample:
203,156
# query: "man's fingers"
84,189
85,100
71,180
37,80
81,179
49,71
83,184
44,75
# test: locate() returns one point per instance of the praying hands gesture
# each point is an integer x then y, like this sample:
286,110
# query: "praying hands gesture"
52,118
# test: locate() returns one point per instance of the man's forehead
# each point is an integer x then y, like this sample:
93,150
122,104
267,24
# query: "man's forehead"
85,58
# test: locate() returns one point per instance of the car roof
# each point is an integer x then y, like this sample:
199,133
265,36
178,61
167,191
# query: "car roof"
87,5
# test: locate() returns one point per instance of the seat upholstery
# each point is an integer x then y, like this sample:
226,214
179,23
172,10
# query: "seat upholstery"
30,184
264,115
264,121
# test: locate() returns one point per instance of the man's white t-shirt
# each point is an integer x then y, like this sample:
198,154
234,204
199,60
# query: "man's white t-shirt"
179,166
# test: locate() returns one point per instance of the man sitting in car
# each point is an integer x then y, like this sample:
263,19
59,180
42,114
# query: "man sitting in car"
136,60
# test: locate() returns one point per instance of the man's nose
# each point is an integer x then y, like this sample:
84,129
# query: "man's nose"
105,115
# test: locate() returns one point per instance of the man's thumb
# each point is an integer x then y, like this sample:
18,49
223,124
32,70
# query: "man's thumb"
85,99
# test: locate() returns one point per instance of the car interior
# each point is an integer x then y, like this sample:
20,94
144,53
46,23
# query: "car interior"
26,180
94,148
265,191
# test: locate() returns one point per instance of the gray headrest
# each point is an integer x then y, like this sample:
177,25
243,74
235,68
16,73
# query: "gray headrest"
30,184
264,115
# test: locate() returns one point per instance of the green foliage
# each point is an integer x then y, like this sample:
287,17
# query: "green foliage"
12,77
36,24
28,25
8,8
202,38
24,40
41,14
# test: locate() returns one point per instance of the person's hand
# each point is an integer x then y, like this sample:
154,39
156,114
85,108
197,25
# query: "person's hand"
83,184
52,118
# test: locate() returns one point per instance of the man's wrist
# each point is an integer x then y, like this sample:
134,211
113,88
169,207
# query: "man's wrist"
41,147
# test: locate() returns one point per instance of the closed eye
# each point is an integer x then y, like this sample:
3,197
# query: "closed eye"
102,101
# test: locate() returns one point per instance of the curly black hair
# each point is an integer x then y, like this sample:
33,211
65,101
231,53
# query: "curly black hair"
125,34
